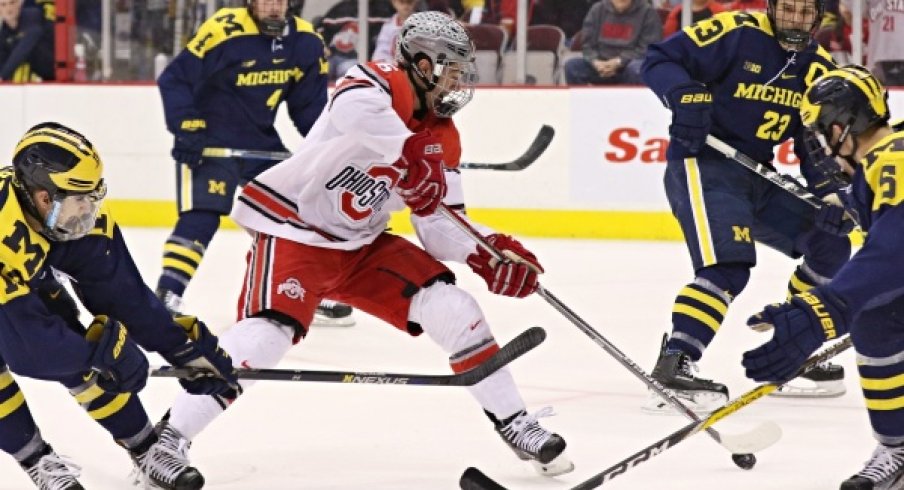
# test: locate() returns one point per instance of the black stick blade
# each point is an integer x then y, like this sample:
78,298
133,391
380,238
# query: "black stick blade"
474,479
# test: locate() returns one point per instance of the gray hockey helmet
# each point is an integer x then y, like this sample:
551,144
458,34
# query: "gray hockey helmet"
444,42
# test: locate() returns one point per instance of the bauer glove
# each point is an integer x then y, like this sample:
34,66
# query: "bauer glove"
800,326
423,185
121,365
691,105
191,139
516,276
214,373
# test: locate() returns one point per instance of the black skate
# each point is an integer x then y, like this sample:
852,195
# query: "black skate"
170,300
884,471
531,442
165,463
675,372
824,381
333,314
50,471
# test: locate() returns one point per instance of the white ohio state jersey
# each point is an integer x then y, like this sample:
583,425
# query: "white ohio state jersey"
338,189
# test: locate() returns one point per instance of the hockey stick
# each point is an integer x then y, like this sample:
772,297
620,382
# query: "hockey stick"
536,148
474,479
250,154
762,437
524,342
789,185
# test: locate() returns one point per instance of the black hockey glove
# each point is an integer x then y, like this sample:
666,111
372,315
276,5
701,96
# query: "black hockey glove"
800,325
691,105
833,219
190,141
214,372
122,366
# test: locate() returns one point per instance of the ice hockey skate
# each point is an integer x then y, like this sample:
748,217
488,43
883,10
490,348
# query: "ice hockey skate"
171,300
884,471
333,314
675,372
165,464
51,471
823,381
531,442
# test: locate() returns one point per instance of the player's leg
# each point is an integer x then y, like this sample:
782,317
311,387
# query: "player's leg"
786,224
204,194
403,285
278,298
710,201
879,340
20,438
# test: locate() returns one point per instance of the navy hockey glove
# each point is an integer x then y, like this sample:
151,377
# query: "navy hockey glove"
190,141
122,366
691,105
800,325
833,219
516,276
215,374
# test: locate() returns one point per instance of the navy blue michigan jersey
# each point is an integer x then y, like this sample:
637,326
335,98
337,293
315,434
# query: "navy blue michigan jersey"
757,86
875,275
234,78
107,280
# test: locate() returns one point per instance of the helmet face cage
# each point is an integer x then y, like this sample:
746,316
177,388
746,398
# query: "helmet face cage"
269,27
793,37
444,42
56,159
849,97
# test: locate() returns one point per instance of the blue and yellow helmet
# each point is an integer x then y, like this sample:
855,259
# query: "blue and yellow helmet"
849,97
52,157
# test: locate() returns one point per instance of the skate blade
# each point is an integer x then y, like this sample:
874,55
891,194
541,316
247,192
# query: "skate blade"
805,388
323,321
559,466
699,402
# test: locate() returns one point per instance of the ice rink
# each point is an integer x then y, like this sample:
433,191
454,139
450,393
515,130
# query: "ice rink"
294,435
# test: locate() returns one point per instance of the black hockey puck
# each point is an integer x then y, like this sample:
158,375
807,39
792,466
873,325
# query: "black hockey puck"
744,461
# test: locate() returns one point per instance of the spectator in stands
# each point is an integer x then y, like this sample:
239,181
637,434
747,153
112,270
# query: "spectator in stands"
616,35
567,14
339,28
26,43
885,51
504,13
835,36
700,9
386,40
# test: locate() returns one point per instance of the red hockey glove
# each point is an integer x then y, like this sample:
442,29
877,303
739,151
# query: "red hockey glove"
516,276
423,186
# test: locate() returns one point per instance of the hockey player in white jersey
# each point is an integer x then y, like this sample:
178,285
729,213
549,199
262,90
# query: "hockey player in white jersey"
385,140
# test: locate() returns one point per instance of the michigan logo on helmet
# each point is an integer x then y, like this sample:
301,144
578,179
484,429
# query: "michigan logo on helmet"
849,97
62,162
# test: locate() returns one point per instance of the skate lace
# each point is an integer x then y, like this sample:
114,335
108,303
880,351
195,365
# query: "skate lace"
54,472
688,367
526,433
163,461
327,304
884,462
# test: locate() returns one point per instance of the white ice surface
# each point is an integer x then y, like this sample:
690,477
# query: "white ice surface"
291,435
